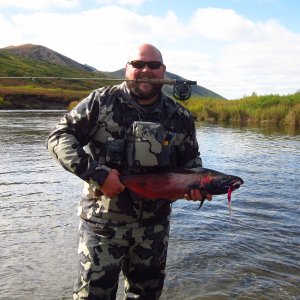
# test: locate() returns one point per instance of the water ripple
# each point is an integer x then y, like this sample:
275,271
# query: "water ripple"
252,253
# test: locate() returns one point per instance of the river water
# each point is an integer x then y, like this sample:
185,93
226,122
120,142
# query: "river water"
252,253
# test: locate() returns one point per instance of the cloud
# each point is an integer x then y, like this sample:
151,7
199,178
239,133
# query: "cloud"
264,67
133,3
219,48
256,57
221,24
33,5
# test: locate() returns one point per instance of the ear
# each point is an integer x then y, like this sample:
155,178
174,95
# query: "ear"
127,66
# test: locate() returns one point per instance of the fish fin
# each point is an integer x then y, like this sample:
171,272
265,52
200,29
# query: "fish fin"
203,194
202,191
202,201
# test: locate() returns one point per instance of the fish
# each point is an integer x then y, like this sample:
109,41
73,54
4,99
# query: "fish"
174,184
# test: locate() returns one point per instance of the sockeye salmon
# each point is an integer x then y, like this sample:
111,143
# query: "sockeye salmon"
173,185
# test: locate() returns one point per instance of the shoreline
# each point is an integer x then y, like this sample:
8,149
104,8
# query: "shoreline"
253,110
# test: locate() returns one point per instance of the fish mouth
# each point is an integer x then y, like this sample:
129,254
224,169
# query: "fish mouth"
236,184
230,184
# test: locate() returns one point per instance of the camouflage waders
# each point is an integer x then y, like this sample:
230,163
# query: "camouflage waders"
103,252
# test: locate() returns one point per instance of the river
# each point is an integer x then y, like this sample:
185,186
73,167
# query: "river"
252,253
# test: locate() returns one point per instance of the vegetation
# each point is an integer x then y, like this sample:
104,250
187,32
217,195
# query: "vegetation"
253,109
65,94
42,93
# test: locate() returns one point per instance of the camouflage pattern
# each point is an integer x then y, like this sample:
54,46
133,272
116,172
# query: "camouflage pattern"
79,144
89,141
150,145
104,252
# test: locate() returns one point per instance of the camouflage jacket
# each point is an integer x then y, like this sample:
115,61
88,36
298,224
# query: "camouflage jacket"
79,143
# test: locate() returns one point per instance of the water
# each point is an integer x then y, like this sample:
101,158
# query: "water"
254,253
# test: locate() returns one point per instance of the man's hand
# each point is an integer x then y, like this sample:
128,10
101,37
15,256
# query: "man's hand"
112,185
195,195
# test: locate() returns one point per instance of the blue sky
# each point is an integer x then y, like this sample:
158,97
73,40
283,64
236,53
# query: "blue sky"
232,47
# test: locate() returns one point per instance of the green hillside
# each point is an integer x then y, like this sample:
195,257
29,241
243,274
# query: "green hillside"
42,93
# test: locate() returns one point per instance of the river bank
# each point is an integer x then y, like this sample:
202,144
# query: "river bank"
271,109
38,98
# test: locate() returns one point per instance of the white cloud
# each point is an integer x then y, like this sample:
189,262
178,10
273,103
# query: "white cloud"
36,5
221,24
130,2
133,3
222,50
84,36
266,67
105,2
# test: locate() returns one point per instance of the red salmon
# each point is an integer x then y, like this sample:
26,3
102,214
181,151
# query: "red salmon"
173,185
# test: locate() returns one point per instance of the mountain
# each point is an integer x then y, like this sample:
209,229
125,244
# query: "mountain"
41,53
38,53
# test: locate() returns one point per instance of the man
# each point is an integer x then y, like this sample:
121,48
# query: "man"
127,128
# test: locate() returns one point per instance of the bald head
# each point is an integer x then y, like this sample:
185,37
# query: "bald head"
145,62
145,52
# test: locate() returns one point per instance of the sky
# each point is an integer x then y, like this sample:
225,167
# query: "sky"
233,47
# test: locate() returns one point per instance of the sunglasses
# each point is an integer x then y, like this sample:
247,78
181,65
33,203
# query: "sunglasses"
140,64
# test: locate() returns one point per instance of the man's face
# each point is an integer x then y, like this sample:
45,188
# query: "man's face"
137,69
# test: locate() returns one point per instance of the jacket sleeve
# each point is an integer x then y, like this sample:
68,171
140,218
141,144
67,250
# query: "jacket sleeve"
188,152
66,142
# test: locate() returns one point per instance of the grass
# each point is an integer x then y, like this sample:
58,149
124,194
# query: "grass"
273,109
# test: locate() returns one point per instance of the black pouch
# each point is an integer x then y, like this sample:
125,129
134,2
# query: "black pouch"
115,151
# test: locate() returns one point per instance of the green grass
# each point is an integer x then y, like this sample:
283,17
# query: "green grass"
274,109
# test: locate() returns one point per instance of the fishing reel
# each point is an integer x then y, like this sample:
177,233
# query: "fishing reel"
182,89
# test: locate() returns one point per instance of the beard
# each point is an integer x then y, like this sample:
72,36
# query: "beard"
140,93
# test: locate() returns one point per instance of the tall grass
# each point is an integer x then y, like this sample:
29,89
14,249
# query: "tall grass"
253,109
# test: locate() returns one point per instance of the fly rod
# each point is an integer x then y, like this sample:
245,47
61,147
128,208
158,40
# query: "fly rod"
181,91
140,80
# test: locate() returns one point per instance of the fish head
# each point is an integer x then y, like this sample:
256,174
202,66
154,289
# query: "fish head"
220,184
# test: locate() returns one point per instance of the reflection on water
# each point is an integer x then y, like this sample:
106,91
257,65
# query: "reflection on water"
253,254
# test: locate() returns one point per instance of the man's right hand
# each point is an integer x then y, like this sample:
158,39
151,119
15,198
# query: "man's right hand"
112,185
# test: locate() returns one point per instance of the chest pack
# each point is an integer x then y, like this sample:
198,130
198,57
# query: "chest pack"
147,145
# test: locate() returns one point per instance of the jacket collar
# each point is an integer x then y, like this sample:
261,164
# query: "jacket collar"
166,104
131,101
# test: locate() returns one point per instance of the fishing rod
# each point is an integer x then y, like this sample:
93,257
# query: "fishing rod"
182,88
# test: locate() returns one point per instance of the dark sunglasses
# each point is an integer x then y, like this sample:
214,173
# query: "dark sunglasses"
140,64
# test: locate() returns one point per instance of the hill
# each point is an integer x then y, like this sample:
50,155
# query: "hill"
41,53
25,93
35,61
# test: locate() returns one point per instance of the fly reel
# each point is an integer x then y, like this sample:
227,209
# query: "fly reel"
182,90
